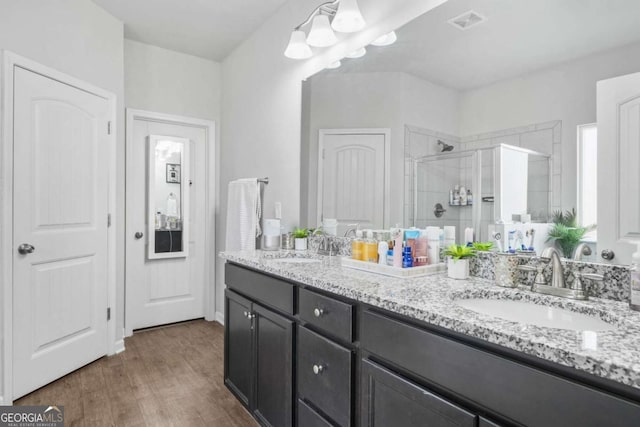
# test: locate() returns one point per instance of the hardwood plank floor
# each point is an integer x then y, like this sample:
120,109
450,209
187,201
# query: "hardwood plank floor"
169,376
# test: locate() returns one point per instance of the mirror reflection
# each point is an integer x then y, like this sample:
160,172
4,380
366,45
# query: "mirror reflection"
167,196
491,107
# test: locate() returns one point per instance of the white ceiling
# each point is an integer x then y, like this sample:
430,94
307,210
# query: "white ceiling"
207,28
519,37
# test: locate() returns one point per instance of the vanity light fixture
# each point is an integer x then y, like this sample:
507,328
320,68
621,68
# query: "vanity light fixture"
298,47
321,34
346,19
359,53
386,39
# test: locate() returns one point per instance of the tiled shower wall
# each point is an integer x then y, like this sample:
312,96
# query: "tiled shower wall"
542,137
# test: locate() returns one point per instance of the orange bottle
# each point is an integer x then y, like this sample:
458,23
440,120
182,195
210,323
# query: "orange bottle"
357,246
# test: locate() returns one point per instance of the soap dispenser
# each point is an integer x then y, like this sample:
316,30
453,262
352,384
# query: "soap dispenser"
634,296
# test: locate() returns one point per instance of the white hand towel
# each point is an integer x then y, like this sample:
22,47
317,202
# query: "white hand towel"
243,214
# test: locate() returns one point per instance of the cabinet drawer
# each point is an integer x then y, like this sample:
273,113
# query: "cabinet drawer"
269,290
390,400
328,314
307,417
522,393
324,375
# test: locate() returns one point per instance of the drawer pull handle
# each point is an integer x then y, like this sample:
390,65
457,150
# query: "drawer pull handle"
318,312
317,369
249,315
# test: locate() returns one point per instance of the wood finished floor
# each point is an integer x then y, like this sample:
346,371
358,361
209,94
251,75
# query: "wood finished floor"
170,376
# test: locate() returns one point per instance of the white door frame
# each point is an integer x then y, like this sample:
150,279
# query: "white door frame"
10,61
209,127
322,133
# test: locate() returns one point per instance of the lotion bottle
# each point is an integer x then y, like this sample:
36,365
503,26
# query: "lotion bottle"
396,234
357,246
370,249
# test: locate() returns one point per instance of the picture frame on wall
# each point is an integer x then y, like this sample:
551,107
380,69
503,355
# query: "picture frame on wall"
173,173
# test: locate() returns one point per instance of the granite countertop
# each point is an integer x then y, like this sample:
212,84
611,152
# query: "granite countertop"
614,354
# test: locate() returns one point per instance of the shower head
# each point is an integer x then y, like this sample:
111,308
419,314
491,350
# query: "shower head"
445,146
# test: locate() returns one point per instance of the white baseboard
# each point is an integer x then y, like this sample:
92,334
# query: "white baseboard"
219,317
4,403
119,346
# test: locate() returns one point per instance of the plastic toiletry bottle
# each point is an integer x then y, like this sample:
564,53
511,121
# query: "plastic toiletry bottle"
456,196
433,240
383,248
450,197
469,198
357,246
370,249
390,257
634,297
463,196
396,234
449,235
407,259
422,245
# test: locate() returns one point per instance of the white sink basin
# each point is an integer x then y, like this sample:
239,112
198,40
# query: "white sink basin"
296,260
534,314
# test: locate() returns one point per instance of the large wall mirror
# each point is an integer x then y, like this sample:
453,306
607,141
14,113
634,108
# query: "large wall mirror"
489,95
168,197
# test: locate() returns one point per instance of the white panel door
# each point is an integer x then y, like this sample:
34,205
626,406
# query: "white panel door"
161,291
353,178
60,213
618,159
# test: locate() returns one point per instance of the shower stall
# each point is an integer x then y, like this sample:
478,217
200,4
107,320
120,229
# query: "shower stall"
502,180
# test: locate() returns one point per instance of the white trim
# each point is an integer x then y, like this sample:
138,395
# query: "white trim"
9,61
119,346
219,317
386,215
209,127
579,171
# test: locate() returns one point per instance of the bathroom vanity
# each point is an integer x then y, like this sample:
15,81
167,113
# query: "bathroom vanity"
308,343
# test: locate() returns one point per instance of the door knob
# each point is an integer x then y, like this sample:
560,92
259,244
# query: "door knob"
138,235
317,369
26,249
608,254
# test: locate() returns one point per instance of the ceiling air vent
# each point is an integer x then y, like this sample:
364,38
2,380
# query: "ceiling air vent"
467,20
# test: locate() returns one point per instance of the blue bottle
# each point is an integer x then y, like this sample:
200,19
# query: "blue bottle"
407,259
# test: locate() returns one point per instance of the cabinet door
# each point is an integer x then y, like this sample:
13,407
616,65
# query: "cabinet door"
273,404
389,400
238,346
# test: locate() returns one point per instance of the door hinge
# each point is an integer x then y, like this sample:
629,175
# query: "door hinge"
108,220
108,128
108,313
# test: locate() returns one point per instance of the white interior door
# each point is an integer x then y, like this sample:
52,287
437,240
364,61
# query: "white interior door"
618,159
61,148
161,291
352,182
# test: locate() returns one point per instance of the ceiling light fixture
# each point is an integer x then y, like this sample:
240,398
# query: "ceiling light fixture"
386,39
346,19
359,53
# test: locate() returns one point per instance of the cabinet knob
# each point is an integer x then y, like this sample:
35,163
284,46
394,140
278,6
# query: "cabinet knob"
245,313
317,369
318,312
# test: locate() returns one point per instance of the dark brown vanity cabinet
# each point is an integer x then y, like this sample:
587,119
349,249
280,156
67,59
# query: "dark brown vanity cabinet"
295,355
391,400
259,359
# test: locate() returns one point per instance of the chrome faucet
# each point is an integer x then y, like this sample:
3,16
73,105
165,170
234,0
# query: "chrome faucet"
327,244
582,249
558,286
352,230
557,270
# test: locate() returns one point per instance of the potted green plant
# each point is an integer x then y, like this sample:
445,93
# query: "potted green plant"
482,246
566,233
300,236
458,261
